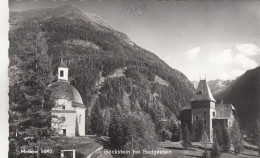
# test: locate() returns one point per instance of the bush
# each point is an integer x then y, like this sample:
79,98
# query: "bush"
166,135
206,154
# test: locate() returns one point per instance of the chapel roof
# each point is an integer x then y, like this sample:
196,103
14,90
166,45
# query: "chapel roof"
66,90
62,64
203,92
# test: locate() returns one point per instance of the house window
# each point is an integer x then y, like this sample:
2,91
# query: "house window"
205,122
63,106
214,113
62,118
196,117
204,112
61,73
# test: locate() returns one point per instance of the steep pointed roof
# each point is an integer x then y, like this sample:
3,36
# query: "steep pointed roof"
203,92
62,64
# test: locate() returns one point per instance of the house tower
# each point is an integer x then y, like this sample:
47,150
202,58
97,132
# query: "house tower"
203,111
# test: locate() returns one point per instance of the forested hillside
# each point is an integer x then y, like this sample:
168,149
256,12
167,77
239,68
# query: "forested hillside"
112,74
244,94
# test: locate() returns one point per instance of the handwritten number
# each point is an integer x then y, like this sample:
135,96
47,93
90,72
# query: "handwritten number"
123,7
143,8
132,10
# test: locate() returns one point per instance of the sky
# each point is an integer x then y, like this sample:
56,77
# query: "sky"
213,38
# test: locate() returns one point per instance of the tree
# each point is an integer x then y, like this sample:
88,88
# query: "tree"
225,139
176,133
186,138
204,140
30,101
165,135
216,153
96,120
257,135
76,127
236,137
199,129
115,130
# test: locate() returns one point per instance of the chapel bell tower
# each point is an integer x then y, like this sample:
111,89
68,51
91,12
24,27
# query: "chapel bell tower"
63,72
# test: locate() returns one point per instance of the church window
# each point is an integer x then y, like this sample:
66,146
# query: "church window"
79,118
61,73
204,112
196,117
214,113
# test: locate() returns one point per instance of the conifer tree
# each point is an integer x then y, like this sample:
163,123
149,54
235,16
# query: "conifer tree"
257,135
204,140
225,139
30,101
115,131
216,153
76,127
96,122
186,138
236,137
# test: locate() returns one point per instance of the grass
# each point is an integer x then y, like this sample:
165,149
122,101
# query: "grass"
197,149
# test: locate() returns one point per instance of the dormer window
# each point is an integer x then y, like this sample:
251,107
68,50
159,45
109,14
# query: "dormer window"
200,92
61,73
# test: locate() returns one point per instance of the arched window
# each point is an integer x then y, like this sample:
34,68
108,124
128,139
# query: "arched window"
80,118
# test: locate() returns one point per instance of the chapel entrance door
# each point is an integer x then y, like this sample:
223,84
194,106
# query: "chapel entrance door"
64,132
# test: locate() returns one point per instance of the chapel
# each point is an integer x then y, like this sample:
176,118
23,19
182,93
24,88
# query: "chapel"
69,110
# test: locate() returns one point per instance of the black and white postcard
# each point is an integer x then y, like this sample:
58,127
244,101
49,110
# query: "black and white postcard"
133,79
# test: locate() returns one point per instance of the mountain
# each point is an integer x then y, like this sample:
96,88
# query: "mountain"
216,86
106,67
244,94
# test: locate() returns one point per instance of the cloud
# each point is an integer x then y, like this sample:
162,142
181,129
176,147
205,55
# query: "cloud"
248,49
245,62
192,53
228,57
221,58
232,64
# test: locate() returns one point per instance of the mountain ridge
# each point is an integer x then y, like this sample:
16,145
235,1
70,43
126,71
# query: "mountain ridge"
90,49
244,94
